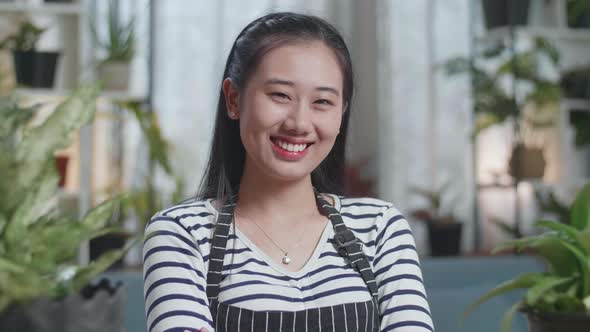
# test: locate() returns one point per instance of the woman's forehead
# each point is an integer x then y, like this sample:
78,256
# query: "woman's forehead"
302,63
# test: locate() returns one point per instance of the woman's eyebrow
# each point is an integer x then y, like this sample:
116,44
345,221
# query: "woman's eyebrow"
292,84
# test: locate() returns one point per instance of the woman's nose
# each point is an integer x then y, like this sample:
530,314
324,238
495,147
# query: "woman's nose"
299,119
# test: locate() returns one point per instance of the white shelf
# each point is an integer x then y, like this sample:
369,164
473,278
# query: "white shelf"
577,104
43,9
60,94
578,35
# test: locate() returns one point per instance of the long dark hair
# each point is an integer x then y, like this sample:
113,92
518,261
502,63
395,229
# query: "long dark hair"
227,156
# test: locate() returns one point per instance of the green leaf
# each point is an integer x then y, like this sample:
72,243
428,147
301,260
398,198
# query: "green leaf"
41,142
85,274
580,210
525,280
506,323
581,239
99,217
561,260
542,286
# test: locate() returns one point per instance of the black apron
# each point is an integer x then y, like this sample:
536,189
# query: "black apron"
350,317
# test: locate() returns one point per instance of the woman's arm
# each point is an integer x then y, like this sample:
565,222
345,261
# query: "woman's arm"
402,298
174,278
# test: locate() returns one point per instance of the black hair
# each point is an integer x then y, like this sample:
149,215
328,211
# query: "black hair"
226,160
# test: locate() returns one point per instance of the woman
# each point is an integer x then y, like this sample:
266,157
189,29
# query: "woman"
269,245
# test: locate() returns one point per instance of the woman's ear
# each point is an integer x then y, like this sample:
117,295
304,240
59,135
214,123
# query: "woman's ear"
232,97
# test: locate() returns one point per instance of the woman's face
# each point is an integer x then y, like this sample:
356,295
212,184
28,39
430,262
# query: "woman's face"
290,109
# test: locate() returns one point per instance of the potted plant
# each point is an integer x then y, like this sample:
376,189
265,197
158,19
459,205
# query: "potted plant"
145,199
578,14
492,104
42,288
444,230
119,46
559,299
32,67
500,13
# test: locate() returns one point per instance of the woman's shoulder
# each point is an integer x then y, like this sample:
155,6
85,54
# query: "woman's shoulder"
374,213
365,205
190,216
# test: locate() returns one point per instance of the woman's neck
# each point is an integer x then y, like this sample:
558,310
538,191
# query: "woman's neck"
266,199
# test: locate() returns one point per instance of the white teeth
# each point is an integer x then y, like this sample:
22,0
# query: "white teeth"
291,147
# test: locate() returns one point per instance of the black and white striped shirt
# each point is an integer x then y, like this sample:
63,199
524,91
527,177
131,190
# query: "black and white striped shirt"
176,262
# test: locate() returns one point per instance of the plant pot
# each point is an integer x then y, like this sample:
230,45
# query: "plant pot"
114,75
104,243
444,238
61,163
578,14
553,322
97,308
580,121
35,69
527,163
499,13
576,83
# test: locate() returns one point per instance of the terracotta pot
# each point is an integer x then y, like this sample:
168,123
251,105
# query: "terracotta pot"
61,162
553,322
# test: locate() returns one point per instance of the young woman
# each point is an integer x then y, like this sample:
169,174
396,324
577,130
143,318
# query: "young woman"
270,244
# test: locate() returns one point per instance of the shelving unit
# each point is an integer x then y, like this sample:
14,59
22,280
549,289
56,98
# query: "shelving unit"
547,19
69,33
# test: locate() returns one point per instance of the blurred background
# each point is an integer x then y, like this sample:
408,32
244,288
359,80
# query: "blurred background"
472,117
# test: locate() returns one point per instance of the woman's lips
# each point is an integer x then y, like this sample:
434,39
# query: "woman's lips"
286,154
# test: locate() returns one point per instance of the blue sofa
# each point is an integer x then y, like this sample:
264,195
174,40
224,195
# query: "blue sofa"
451,283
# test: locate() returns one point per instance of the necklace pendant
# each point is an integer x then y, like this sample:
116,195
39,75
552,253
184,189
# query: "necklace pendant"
286,259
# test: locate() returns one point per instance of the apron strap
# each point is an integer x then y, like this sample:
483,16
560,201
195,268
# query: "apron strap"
218,244
348,246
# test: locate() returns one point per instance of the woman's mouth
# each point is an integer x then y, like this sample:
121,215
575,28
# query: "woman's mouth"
288,150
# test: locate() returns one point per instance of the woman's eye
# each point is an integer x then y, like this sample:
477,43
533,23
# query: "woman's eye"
280,95
324,102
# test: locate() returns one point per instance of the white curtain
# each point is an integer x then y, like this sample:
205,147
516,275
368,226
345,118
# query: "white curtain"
424,116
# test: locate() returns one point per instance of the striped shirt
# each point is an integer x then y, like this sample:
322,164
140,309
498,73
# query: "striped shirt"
176,257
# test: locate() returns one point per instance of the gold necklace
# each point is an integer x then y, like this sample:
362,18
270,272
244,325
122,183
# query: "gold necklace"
286,258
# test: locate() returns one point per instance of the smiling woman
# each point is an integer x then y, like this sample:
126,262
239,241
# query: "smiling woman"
270,243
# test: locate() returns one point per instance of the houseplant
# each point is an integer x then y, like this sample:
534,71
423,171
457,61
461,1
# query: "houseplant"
444,230
32,67
538,109
559,299
41,286
145,198
119,48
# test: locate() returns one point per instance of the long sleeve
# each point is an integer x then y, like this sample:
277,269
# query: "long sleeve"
402,297
174,278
